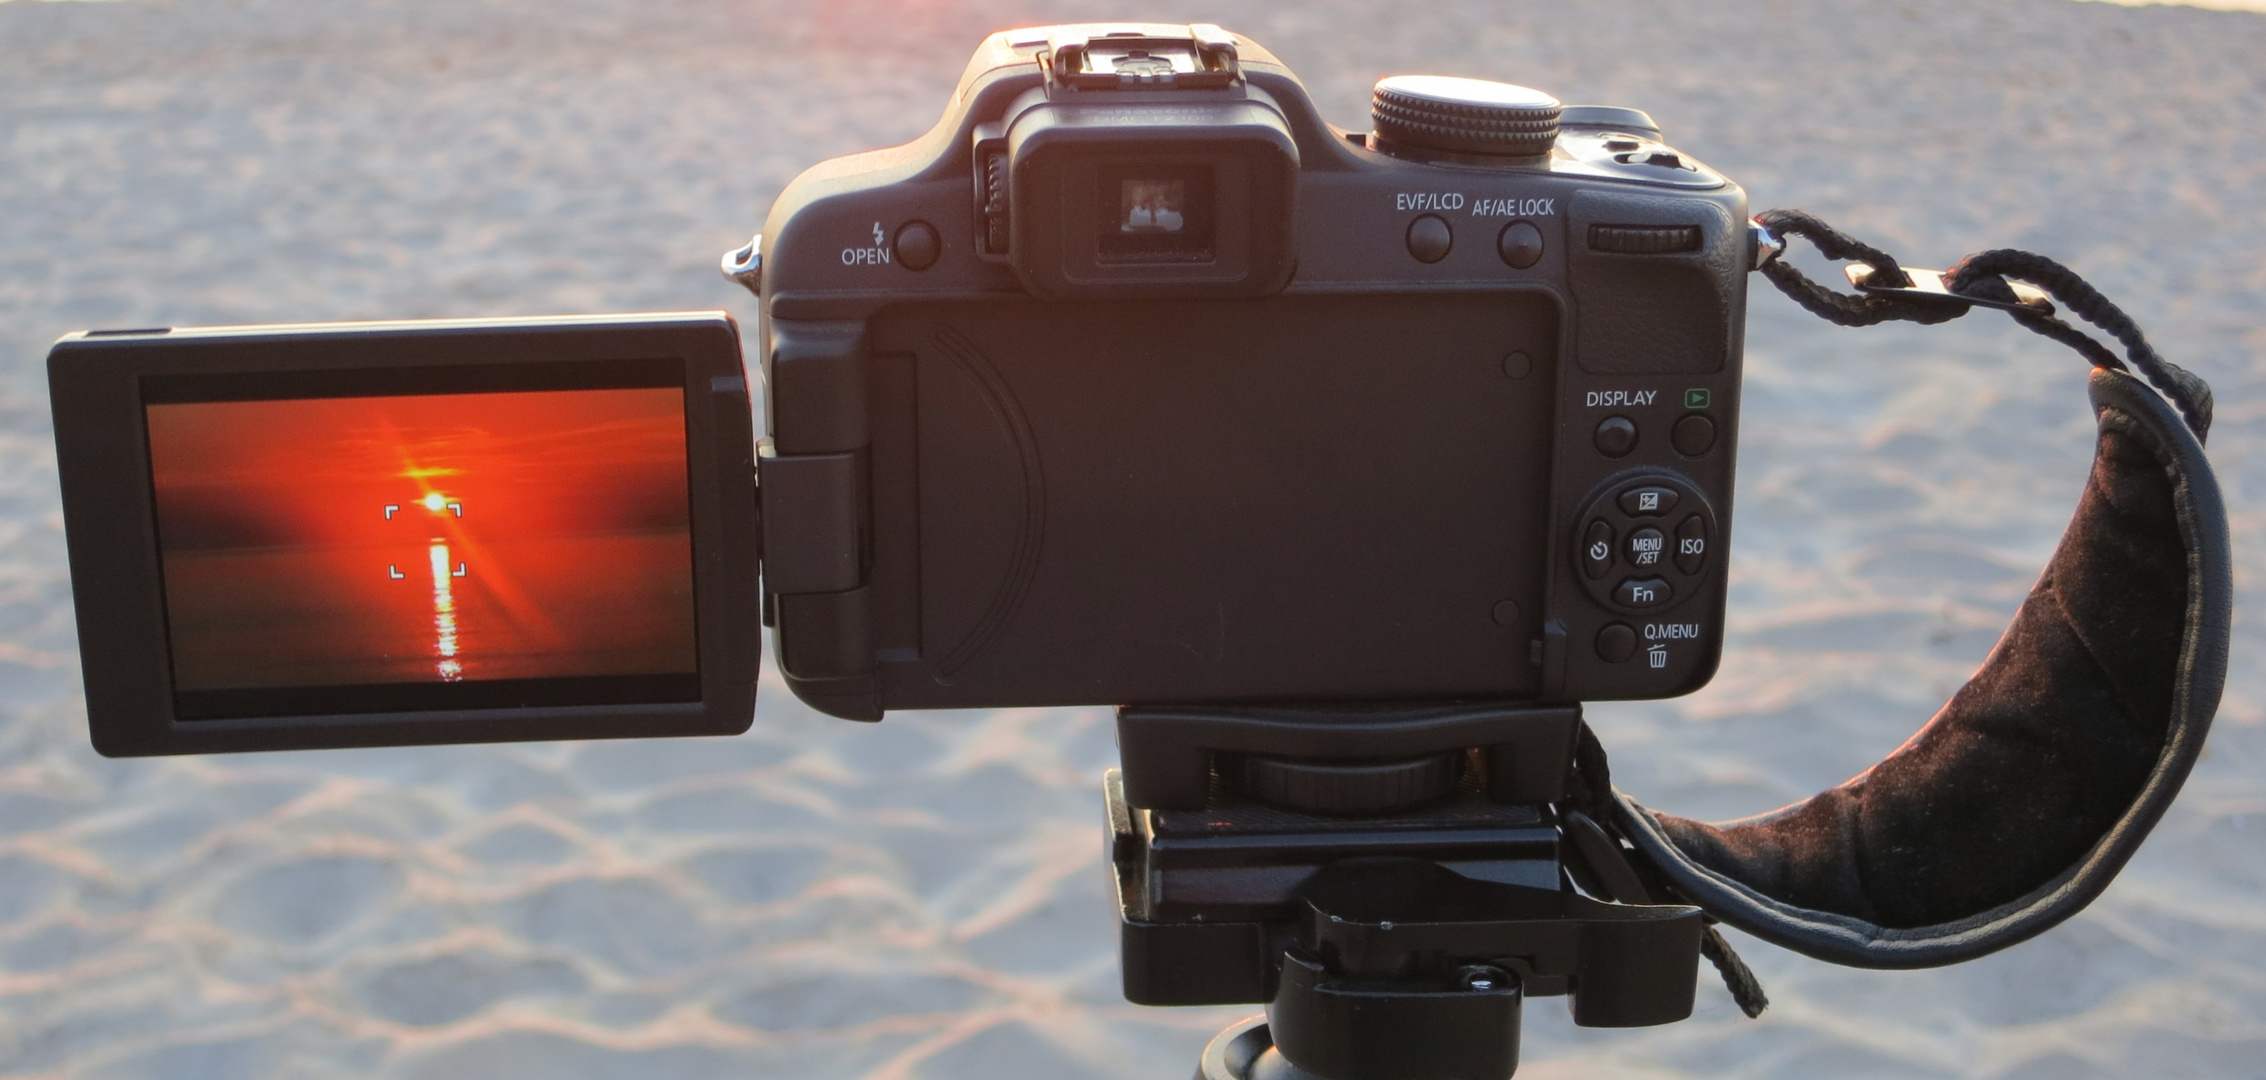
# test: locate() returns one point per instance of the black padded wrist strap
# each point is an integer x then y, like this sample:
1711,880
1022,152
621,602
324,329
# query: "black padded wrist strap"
2019,802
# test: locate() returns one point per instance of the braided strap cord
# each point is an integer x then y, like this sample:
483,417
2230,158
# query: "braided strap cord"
1985,276
1845,309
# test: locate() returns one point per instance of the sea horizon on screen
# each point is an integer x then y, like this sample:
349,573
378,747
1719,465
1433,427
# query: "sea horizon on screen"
424,538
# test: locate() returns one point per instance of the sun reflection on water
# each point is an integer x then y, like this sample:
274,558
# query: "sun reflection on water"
444,613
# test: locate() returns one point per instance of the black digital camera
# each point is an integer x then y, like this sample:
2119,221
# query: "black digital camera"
1131,382
1135,381
1348,465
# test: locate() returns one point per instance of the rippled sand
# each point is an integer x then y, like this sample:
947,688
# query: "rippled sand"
924,898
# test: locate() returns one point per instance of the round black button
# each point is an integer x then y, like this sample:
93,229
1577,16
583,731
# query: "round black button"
1429,239
1520,245
1650,500
1616,643
1597,549
918,246
1693,435
1646,546
1518,365
1506,613
1616,436
1642,592
1691,544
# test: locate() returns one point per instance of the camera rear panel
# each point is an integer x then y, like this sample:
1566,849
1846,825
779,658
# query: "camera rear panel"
1188,501
1424,447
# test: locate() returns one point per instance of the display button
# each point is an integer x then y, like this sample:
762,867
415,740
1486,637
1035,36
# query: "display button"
1647,501
918,246
1520,245
1643,592
1693,435
1616,436
1429,238
1646,546
1597,549
1615,643
1691,544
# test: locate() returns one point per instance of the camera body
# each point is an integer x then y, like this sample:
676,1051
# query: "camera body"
1134,381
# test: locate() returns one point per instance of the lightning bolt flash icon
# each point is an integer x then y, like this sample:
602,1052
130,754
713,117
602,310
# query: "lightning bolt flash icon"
877,234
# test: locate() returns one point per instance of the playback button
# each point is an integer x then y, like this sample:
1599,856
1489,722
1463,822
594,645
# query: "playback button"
1642,593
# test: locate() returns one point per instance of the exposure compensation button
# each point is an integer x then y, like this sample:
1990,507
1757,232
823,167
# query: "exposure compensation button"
1648,501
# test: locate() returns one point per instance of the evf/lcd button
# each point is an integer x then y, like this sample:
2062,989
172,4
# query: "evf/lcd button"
1429,238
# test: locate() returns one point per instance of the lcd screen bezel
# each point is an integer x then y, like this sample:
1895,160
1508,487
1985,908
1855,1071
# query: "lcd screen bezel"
102,383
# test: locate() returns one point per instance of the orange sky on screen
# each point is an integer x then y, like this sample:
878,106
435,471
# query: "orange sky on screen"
319,472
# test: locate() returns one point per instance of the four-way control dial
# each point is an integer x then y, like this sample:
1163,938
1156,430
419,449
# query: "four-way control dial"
1644,543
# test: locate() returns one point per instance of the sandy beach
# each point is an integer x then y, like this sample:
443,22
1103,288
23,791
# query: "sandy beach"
925,898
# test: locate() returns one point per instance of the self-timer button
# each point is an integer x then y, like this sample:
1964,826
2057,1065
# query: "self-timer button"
1643,592
1691,544
1645,548
1647,501
1597,549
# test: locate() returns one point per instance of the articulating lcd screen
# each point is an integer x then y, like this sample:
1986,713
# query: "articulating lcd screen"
359,554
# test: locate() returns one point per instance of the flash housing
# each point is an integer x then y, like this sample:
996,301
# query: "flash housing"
143,424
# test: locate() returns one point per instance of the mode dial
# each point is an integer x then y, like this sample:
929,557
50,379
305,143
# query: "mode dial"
1463,116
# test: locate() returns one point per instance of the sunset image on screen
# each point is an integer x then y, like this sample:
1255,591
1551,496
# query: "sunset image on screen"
430,538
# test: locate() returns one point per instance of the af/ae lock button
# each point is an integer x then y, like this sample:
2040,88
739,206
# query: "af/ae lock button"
1520,245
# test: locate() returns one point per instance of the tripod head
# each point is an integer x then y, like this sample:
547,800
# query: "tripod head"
1391,882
